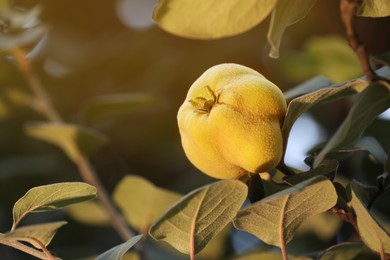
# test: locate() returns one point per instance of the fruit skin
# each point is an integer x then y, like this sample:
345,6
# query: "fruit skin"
230,122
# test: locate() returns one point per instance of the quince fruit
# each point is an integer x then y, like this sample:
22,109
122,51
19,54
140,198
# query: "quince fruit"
230,122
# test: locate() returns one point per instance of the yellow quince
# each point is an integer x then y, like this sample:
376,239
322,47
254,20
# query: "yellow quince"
230,122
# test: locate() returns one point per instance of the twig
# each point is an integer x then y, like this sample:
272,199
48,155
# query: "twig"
43,103
46,107
44,249
348,10
26,249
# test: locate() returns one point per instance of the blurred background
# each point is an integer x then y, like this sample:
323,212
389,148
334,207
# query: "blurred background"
96,49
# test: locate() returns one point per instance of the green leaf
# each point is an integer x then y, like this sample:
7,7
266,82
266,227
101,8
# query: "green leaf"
285,13
89,213
191,223
74,140
383,58
372,234
275,219
373,100
269,256
387,166
374,8
344,251
302,104
116,253
141,202
315,83
50,197
109,107
327,168
34,234
210,19
330,56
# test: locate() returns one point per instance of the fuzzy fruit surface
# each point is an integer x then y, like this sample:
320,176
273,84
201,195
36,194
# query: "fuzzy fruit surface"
230,122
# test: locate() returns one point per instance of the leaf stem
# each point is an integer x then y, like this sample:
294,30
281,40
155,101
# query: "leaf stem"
45,106
26,249
43,103
348,10
281,232
44,249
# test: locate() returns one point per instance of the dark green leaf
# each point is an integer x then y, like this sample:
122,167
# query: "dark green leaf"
308,86
52,196
74,140
42,233
344,251
372,234
117,252
276,218
327,168
302,104
193,221
383,58
373,100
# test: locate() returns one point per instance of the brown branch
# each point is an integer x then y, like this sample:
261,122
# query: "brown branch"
348,10
45,106
26,249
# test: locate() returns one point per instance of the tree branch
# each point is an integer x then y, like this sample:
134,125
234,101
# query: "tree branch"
45,106
348,10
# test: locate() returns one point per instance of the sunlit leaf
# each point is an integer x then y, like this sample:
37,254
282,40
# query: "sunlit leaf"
34,234
327,168
373,101
315,83
200,215
325,226
344,251
117,252
110,107
141,202
275,219
52,196
372,234
374,8
285,13
302,104
89,213
72,139
210,19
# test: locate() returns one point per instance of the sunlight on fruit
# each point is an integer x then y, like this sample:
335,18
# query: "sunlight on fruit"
230,122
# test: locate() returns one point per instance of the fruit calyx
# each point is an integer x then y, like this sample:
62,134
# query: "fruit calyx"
203,105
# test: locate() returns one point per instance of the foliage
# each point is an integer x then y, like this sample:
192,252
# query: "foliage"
202,221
